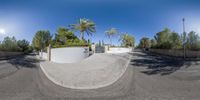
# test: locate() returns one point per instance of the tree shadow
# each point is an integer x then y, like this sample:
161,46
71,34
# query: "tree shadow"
26,61
156,64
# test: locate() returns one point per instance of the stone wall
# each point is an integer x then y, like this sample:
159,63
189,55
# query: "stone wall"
177,53
9,54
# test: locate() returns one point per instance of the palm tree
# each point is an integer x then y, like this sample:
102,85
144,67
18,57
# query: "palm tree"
110,33
127,40
144,43
84,26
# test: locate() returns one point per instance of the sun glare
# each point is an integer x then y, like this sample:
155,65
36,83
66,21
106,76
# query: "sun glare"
2,31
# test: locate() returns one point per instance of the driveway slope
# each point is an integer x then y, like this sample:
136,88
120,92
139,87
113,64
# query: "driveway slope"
97,71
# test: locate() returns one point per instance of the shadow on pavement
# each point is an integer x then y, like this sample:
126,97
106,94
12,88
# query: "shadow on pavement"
26,61
157,64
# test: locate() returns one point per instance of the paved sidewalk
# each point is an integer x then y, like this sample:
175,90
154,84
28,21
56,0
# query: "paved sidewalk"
98,70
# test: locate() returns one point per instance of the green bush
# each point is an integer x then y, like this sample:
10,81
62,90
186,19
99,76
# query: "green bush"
29,50
12,45
66,38
72,43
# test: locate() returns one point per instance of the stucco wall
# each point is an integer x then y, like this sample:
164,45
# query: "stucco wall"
176,53
69,54
9,54
119,50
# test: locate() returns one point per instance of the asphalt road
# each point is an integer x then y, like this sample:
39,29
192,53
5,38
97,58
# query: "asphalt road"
146,78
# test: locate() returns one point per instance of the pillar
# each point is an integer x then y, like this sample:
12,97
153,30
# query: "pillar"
49,53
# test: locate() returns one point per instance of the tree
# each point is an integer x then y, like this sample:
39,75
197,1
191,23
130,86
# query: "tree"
153,43
41,39
110,33
23,44
193,41
64,34
84,26
163,39
144,43
99,43
168,40
103,43
9,44
175,40
127,40
163,36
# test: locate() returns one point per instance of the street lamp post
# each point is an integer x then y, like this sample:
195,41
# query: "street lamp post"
184,39
42,46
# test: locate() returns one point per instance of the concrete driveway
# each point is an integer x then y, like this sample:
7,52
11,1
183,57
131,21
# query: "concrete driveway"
147,77
96,71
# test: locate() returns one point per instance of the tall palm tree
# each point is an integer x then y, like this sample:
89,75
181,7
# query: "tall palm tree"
127,40
84,26
110,33
145,43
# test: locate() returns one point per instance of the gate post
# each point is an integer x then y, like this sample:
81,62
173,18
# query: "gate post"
49,53
93,48
106,49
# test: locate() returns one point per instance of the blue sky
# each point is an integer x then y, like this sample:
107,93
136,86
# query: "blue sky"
22,18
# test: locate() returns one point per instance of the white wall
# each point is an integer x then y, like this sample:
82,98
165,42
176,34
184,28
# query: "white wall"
119,50
69,54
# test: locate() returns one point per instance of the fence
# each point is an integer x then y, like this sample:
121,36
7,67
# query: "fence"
99,49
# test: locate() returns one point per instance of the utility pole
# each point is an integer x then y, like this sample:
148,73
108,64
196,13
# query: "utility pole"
184,39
